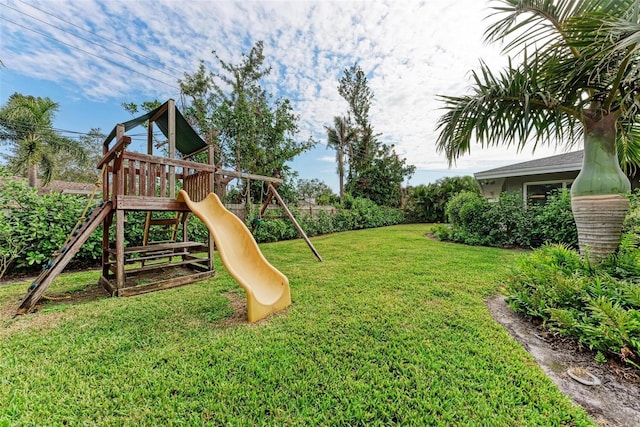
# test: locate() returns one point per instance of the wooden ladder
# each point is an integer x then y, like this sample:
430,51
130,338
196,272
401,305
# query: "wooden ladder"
60,260
173,223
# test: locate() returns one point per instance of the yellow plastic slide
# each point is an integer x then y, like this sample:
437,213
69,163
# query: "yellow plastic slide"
266,287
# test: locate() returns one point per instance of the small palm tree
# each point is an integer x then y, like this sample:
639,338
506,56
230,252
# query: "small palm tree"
579,79
340,137
26,122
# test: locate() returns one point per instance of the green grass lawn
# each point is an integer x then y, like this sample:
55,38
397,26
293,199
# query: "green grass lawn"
391,328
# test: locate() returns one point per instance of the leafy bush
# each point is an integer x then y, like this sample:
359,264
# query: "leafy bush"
467,214
555,220
507,222
41,224
442,231
361,213
579,300
427,203
34,227
343,220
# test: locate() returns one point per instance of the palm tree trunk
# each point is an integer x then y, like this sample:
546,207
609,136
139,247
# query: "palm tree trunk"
32,175
341,170
598,198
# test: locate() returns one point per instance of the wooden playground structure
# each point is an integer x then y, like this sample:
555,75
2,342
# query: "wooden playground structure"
133,181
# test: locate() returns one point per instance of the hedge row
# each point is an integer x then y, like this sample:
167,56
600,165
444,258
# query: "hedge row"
33,227
473,220
354,214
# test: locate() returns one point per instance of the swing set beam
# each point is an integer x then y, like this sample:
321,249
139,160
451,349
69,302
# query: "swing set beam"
274,193
271,193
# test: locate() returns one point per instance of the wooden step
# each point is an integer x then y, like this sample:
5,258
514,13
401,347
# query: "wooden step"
152,257
163,284
162,247
151,267
165,221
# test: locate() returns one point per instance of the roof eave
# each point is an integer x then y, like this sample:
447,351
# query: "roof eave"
529,171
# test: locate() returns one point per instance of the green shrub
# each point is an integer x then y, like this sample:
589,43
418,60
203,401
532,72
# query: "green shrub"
361,213
273,230
42,224
442,231
555,220
426,203
467,214
34,227
508,222
511,221
343,220
579,300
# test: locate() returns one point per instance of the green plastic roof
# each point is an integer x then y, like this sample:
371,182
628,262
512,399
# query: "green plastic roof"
187,140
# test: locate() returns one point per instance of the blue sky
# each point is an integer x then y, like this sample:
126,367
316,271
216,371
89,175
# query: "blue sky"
91,56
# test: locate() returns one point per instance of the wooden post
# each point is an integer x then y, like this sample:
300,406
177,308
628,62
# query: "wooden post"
118,163
150,139
171,118
212,188
106,223
212,176
120,213
272,189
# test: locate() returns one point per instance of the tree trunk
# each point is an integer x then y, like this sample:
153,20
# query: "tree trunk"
32,175
341,170
598,198
221,186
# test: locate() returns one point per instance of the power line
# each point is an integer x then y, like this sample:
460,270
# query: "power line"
24,126
89,53
90,41
101,37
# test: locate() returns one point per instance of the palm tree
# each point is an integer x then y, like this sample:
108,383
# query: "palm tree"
579,79
26,122
340,137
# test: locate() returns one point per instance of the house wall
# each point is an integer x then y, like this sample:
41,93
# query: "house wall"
491,189
516,183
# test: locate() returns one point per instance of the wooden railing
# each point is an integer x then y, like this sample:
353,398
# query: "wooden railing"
146,176
129,175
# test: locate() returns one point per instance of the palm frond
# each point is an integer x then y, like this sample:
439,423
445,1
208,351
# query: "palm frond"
62,144
512,108
47,167
522,24
629,145
609,58
586,57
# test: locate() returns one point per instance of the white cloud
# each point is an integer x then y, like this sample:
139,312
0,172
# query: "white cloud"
413,50
328,159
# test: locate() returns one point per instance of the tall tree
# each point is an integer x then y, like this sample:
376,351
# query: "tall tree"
339,138
27,124
354,88
578,79
381,181
250,131
375,170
